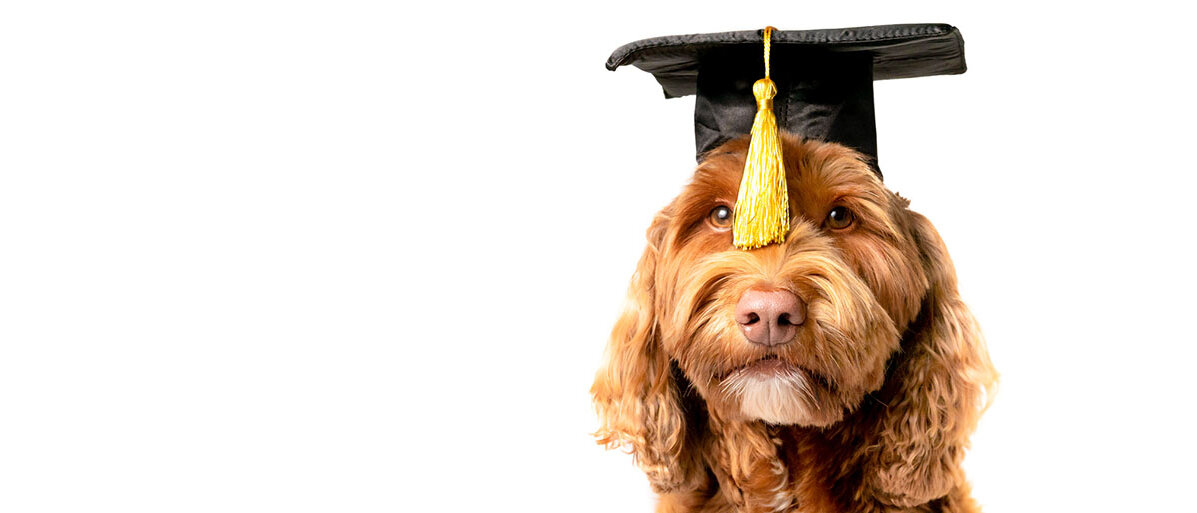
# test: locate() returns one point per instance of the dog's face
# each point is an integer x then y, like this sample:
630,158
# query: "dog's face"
861,297
792,333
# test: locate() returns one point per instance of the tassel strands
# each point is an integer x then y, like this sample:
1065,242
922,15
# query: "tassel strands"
763,206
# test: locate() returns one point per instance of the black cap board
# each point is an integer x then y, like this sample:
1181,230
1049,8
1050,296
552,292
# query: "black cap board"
824,77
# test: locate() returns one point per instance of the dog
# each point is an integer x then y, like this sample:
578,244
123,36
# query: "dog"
838,371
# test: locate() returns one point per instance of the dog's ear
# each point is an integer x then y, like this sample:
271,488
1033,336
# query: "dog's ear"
938,387
635,392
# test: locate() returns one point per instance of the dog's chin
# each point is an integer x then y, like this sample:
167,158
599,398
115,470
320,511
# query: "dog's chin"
780,393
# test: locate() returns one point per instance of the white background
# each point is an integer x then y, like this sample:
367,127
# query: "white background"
364,256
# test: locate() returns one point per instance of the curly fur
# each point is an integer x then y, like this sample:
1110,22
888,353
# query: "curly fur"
877,395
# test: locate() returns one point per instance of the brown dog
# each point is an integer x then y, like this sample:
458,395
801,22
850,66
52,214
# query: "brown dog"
838,371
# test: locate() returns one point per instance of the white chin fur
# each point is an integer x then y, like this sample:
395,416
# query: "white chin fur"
777,398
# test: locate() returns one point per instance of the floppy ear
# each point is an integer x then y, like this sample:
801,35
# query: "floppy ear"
940,384
636,395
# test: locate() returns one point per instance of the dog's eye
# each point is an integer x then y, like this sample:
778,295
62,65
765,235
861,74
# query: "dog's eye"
840,218
720,217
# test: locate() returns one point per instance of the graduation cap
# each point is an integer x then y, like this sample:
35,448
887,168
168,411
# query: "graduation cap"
815,83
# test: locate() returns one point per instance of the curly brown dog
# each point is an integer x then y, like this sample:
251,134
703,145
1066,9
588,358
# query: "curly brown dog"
838,371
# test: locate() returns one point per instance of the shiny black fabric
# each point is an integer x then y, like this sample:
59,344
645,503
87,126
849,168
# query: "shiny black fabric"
824,77
827,97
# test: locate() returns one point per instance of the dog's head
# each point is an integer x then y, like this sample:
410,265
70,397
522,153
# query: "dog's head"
860,293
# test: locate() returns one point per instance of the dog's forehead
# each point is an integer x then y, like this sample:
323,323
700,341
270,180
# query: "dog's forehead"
719,176
815,171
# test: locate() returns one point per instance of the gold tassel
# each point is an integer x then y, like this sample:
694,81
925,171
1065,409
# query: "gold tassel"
763,206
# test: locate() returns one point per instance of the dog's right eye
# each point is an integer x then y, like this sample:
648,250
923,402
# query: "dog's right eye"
720,217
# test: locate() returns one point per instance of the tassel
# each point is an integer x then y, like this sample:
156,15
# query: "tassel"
763,206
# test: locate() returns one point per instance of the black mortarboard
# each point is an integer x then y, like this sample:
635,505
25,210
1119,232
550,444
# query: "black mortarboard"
824,78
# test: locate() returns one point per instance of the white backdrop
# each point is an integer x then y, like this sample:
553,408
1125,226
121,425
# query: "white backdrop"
364,256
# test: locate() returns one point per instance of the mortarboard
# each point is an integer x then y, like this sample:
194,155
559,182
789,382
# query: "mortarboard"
817,83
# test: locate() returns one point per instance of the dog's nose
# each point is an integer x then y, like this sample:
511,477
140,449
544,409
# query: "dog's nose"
770,317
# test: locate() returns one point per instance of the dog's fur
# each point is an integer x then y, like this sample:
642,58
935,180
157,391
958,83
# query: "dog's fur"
869,409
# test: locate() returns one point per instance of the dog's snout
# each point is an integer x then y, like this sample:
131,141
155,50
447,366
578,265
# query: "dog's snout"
770,317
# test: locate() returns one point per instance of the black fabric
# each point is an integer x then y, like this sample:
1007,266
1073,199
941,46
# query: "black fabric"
827,97
824,77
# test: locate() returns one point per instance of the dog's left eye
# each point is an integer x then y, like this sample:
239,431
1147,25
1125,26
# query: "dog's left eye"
839,218
720,217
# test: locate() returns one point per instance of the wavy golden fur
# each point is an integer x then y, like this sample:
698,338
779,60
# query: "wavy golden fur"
887,378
